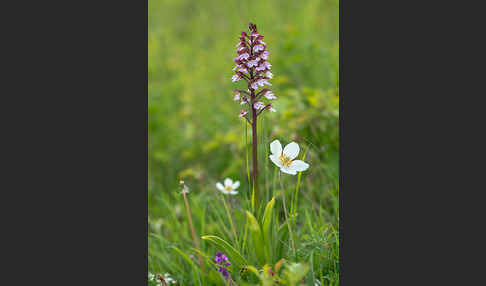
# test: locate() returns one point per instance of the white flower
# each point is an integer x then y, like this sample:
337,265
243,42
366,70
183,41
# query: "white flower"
269,74
237,66
229,187
243,70
259,105
168,279
243,113
269,95
237,96
236,78
285,160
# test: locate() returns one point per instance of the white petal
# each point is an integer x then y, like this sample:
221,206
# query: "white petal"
276,148
299,165
276,160
224,192
291,150
288,170
219,186
228,182
236,185
233,193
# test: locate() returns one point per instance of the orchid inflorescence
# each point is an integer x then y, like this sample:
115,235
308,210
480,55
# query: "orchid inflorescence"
253,67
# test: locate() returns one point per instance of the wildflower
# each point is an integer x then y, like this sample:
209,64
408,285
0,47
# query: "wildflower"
258,48
242,113
285,160
259,105
151,276
237,95
184,188
265,55
229,187
269,95
253,67
168,279
253,63
244,100
222,260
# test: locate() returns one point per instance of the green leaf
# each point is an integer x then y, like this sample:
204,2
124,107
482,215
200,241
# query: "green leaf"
256,237
267,235
229,250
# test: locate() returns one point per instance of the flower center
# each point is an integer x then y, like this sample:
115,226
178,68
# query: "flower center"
228,188
285,160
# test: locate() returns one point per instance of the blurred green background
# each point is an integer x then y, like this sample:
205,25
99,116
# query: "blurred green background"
195,133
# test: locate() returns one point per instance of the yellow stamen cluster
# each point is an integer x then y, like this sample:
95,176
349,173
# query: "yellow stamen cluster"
285,160
228,188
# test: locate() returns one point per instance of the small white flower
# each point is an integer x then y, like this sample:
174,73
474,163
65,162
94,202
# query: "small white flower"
236,78
259,105
269,95
151,276
243,70
237,66
269,74
265,55
239,44
261,42
237,96
229,187
240,49
285,160
168,279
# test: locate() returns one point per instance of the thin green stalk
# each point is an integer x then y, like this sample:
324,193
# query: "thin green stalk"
293,208
230,218
286,217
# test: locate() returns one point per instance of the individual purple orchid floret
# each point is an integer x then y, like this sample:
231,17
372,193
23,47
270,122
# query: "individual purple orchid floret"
253,67
222,260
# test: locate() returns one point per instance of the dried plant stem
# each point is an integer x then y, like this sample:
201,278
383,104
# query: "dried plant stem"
196,244
286,217
162,279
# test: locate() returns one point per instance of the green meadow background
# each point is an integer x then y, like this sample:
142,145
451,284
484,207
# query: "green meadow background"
195,133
